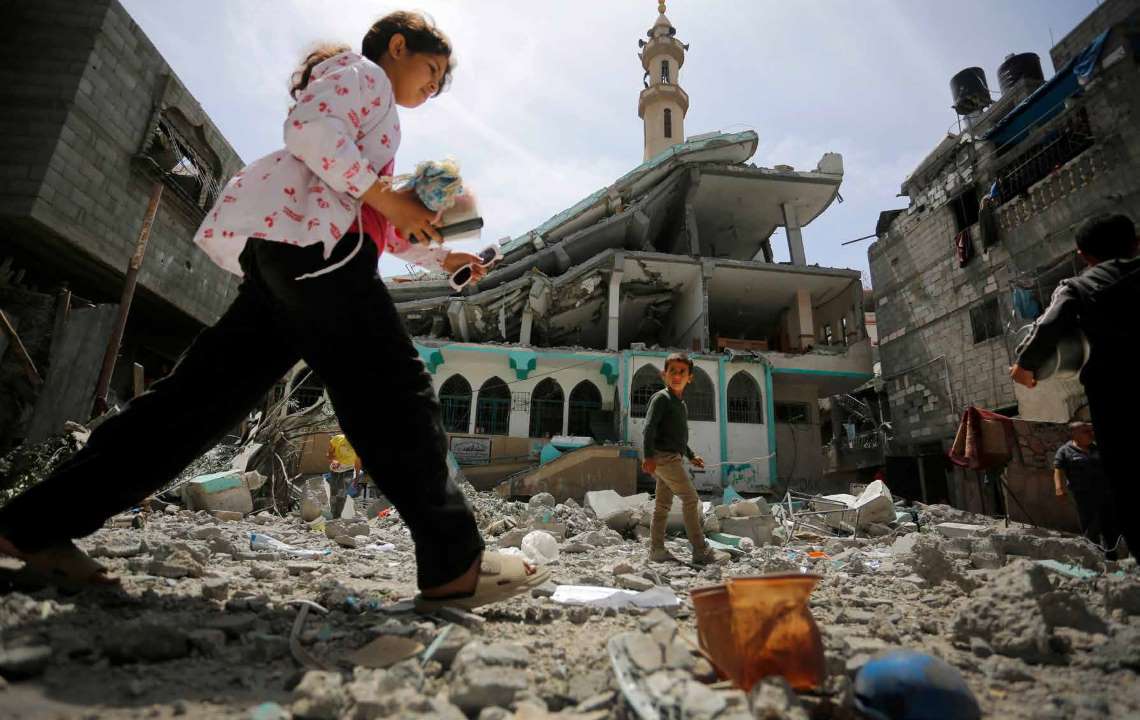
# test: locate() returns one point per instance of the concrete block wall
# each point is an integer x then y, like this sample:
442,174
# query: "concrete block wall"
86,195
36,88
1106,14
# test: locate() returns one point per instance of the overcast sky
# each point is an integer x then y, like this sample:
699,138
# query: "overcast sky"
543,108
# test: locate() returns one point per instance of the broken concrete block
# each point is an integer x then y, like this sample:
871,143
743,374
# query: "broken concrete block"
513,538
1123,593
633,582
336,528
618,512
758,528
485,675
216,588
958,530
225,490
320,696
750,508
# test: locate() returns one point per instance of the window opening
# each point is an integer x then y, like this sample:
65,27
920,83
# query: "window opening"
585,399
546,401
455,402
985,320
646,381
493,408
745,403
700,399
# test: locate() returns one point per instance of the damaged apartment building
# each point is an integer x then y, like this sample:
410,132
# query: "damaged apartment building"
988,235
90,133
565,338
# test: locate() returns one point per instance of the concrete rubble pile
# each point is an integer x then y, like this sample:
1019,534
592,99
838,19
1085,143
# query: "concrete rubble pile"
209,623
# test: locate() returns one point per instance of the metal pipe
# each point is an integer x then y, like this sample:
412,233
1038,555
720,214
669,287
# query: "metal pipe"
129,282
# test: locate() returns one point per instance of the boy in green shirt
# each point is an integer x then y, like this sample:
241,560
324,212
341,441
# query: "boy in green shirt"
666,444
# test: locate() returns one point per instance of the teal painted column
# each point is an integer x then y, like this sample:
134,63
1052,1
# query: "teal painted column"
625,363
770,412
722,398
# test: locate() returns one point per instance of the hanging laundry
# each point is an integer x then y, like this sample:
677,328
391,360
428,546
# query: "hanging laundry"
1025,303
963,248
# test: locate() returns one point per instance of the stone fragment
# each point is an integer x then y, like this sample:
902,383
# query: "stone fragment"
468,620
1122,593
456,638
646,654
633,582
513,538
578,614
773,699
302,568
216,588
179,563
352,528
958,530
540,501
205,532
319,696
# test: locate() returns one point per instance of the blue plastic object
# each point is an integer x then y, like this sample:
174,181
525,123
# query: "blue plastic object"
909,685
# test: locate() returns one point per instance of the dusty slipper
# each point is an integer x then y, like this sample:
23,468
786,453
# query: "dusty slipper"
500,577
64,566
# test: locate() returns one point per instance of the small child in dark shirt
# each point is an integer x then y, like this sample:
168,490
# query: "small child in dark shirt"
666,445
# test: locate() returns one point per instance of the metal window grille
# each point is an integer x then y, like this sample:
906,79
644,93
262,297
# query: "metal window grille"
1058,147
545,417
665,71
493,408
492,415
520,402
584,400
171,156
700,399
645,382
456,412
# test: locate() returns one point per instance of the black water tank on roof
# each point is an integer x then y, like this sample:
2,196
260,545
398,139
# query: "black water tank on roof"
1022,66
969,90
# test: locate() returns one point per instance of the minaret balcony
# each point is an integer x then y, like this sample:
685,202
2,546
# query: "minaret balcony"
662,91
662,45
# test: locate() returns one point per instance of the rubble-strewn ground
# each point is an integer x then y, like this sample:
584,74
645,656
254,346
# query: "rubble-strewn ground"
202,625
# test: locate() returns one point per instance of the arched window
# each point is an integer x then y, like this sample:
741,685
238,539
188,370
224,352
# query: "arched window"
665,71
546,409
745,404
700,398
455,399
646,381
493,408
668,123
584,399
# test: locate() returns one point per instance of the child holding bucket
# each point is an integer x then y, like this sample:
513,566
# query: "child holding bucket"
303,227
666,445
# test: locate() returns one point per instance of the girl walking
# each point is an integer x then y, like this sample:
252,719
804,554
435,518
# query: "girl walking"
304,228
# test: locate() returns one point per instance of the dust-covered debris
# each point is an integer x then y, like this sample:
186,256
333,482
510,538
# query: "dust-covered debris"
204,624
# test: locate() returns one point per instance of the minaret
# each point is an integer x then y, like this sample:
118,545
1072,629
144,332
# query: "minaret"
662,104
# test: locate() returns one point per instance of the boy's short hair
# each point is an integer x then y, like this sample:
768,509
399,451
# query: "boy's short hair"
681,358
1079,425
1105,237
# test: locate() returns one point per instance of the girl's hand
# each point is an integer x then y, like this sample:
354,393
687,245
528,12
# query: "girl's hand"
456,260
405,211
